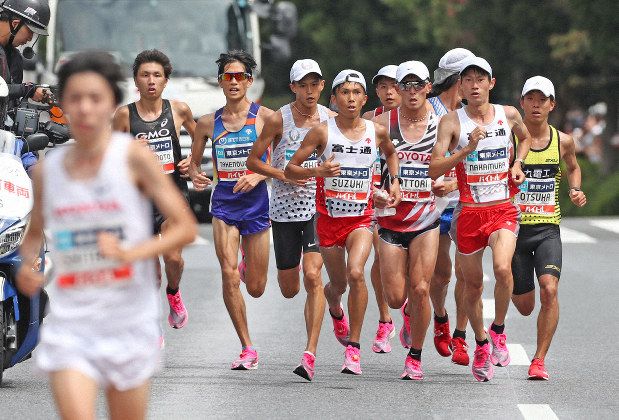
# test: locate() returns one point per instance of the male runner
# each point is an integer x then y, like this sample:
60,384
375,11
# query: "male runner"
447,97
293,203
409,238
479,139
538,248
240,200
387,92
346,147
157,122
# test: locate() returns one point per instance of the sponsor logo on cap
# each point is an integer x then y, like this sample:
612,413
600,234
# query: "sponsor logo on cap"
30,11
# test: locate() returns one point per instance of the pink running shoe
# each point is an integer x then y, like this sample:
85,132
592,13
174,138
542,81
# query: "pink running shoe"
341,328
248,359
412,369
500,353
482,369
352,361
405,331
242,267
537,370
306,368
442,338
385,332
178,313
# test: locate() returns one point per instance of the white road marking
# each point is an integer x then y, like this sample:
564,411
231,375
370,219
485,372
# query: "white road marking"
571,236
607,224
537,412
200,241
517,355
486,277
488,308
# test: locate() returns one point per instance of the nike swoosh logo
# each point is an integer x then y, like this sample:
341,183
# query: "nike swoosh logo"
312,244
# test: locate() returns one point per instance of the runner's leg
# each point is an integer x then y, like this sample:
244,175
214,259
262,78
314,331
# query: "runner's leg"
256,247
358,245
548,317
130,404
503,244
441,276
377,284
471,266
315,301
75,394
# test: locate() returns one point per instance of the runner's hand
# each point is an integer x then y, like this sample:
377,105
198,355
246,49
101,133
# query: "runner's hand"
328,168
394,195
183,167
297,182
517,175
247,183
109,247
199,179
578,198
29,281
475,136
381,198
439,187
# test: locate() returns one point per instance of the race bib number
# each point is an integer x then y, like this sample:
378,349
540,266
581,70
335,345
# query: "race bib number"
162,148
487,167
415,184
537,196
352,185
232,160
79,262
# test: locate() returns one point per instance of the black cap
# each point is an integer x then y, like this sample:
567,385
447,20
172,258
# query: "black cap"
34,13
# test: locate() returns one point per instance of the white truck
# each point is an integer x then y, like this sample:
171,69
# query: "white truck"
191,32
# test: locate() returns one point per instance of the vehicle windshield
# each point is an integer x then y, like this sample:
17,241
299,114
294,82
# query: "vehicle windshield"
191,32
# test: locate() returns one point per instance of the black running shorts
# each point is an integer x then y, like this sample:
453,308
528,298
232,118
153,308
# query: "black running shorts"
403,239
290,239
538,249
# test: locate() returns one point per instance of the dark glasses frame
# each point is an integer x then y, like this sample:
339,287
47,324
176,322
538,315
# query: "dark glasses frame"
238,76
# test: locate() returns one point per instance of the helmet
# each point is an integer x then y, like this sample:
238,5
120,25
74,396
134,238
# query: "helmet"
34,13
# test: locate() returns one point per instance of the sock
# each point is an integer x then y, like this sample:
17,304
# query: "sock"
458,333
385,322
415,353
248,348
481,343
339,318
441,319
497,328
355,345
170,291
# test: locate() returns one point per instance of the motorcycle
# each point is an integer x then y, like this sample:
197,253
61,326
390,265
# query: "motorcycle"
20,317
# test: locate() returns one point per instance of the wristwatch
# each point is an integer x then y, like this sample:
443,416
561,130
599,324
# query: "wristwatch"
394,177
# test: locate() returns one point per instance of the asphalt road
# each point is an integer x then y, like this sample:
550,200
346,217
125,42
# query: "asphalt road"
196,382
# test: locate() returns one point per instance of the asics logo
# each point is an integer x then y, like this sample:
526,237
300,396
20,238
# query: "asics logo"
164,122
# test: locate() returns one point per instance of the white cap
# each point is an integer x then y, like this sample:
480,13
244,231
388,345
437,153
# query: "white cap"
302,68
349,75
540,83
387,71
476,62
450,64
412,67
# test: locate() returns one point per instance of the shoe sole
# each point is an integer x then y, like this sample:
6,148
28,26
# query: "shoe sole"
537,378
459,364
496,362
300,370
350,372
253,366
486,378
411,378
178,326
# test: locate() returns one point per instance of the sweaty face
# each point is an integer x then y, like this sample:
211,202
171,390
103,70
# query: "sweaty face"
150,80
235,89
308,89
387,92
476,86
414,98
536,106
350,98
88,102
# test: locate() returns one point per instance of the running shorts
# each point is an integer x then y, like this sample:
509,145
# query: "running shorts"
539,252
446,220
334,231
291,239
403,239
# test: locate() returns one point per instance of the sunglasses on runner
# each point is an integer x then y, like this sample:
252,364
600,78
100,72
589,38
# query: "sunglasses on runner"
414,85
239,76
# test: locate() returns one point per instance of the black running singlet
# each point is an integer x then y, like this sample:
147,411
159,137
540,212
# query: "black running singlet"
162,139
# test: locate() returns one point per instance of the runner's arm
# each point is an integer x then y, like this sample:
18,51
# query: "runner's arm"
393,163
315,140
271,131
29,281
524,142
120,121
439,163
186,116
204,131
147,175
574,176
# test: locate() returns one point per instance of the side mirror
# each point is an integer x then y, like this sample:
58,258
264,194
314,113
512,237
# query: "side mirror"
34,142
